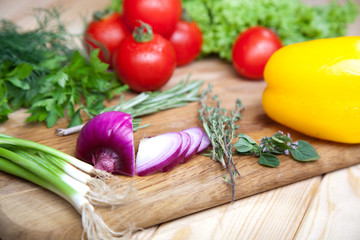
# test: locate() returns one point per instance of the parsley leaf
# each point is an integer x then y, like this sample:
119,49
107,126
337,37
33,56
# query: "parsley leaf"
62,91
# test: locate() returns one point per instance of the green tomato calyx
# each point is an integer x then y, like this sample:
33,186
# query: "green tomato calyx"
143,33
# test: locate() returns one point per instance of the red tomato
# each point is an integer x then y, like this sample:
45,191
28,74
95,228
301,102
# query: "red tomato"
105,34
161,15
144,66
187,41
252,49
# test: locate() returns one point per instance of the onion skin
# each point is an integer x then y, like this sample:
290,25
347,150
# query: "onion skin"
107,142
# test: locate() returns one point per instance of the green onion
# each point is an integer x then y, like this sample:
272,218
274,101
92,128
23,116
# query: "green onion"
45,174
14,169
48,168
4,139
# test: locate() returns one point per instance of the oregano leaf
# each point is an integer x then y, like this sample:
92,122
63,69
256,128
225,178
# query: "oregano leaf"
269,160
304,152
249,139
243,146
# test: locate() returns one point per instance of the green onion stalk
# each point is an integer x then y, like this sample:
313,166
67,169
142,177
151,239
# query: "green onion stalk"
150,102
59,173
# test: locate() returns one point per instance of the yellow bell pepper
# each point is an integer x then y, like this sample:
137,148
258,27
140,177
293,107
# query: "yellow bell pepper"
314,88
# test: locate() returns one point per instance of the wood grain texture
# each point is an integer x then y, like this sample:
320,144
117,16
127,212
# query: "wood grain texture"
250,218
191,187
29,212
335,210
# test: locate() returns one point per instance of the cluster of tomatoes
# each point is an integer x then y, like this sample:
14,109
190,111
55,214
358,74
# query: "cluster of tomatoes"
146,42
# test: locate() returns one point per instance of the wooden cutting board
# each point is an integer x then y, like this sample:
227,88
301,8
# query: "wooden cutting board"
30,212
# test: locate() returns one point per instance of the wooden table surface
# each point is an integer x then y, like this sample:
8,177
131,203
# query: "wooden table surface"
322,207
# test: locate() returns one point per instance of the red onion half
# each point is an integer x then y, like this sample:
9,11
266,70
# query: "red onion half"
107,142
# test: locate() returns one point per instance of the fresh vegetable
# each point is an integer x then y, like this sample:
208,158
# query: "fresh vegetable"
163,152
294,21
150,102
145,61
186,141
4,139
220,128
197,136
107,142
279,143
161,15
49,168
40,70
252,49
186,40
205,142
156,152
105,32
313,87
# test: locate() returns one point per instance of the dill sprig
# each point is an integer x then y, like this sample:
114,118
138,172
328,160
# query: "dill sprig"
220,128
43,70
48,39
36,51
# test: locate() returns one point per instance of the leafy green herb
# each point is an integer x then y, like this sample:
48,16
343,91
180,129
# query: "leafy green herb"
220,128
304,152
277,144
64,89
41,70
269,160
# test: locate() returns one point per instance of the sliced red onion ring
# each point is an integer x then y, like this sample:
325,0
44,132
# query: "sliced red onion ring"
156,152
196,135
205,142
186,141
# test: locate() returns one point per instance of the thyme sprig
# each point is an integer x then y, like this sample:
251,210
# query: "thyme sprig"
219,125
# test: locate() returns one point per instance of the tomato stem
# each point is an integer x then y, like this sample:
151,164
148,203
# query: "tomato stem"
143,33
99,15
185,16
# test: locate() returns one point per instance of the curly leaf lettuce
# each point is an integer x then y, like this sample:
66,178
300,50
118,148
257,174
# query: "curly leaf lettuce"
293,20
